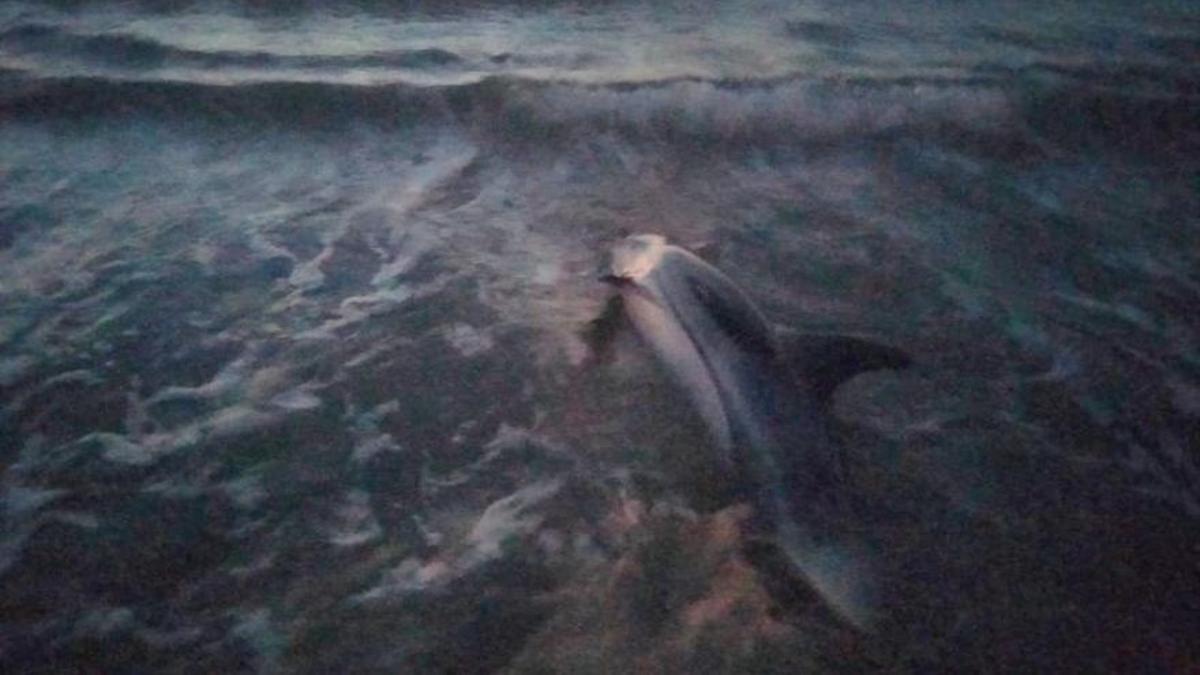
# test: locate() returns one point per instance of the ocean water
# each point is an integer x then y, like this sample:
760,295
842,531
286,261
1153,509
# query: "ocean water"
295,368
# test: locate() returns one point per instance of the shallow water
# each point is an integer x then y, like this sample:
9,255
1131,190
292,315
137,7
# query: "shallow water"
293,356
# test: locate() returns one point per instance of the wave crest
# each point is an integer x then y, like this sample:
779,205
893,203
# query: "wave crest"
132,52
1039,103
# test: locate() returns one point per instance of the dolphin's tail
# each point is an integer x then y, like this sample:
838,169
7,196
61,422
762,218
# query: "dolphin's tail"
839,572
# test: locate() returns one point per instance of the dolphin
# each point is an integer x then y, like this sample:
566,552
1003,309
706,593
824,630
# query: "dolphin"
765,408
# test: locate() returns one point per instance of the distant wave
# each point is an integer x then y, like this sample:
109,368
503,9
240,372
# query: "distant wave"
139,53
1077,105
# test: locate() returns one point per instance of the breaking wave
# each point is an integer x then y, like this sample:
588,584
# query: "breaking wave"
1051,102
137,53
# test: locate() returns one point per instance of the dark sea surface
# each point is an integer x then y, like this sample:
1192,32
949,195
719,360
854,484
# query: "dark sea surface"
295,371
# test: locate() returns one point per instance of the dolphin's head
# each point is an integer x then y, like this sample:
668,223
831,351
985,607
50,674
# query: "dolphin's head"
634,257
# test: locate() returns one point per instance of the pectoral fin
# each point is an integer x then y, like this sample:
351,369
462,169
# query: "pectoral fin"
824,362
601,332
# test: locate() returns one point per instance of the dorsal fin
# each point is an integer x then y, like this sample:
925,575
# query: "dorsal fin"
826,361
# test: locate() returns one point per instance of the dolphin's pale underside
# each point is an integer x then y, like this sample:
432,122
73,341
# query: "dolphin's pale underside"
767,423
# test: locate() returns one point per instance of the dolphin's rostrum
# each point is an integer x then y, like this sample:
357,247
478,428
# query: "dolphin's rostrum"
767,420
